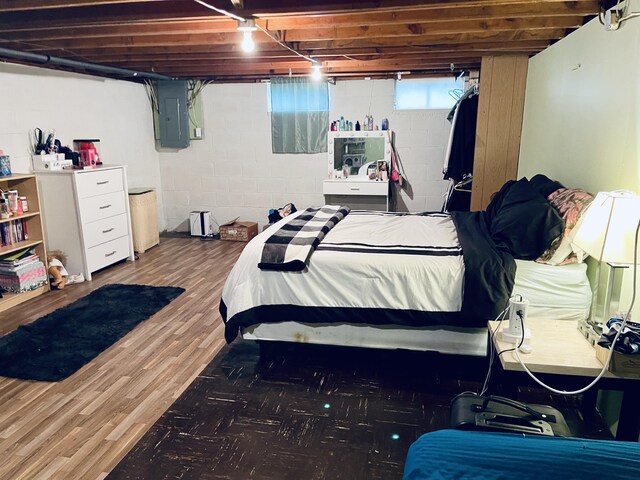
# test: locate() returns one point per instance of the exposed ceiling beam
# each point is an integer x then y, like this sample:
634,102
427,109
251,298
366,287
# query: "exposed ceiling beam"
271,49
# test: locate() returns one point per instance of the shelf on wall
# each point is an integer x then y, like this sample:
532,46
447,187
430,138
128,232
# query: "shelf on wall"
20,217
14,247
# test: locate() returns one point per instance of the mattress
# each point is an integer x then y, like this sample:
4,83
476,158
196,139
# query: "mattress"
558,292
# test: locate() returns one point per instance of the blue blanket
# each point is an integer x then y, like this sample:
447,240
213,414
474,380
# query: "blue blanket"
455,454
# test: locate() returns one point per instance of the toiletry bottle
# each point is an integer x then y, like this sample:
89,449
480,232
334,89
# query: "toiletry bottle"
357,126
370,122
342,125
385,124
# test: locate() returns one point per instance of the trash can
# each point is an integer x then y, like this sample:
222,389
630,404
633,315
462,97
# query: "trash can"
144,218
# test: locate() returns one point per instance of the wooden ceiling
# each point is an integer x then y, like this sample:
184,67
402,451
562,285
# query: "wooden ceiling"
184,39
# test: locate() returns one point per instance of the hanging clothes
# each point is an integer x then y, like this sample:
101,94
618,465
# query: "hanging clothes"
460,152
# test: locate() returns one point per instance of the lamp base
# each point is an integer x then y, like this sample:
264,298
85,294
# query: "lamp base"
591,331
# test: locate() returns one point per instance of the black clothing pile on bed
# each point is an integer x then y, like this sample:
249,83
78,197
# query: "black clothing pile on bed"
519,223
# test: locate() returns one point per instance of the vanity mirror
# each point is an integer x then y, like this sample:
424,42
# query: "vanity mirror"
358,166
356,153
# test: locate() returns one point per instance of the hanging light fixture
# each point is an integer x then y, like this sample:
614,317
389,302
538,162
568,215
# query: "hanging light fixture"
247,27
316,74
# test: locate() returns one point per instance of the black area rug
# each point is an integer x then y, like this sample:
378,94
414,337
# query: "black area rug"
57,345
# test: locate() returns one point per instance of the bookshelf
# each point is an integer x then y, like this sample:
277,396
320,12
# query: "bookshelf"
27,186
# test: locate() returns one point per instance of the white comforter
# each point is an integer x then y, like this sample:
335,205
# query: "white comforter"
369,259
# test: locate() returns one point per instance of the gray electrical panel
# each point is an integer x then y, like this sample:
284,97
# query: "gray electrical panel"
173,120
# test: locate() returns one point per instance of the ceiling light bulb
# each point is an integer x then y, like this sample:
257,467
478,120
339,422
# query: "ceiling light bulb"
247,42
317,73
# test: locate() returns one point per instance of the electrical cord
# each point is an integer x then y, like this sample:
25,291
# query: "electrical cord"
613,342
492,350
262,29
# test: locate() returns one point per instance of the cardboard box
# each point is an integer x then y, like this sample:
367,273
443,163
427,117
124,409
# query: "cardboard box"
238,231
621,365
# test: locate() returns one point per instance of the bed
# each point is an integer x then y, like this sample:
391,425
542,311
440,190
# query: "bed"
420,281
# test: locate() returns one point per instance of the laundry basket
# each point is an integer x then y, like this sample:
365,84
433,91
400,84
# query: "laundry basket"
144,218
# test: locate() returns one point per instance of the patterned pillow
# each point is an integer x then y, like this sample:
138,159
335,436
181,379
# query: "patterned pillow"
570,202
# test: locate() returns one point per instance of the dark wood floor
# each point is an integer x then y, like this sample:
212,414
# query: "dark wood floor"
312,412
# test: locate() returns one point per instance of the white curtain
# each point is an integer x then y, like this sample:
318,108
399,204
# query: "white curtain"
299,115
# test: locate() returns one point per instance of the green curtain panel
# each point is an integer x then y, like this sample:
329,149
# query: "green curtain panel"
299,115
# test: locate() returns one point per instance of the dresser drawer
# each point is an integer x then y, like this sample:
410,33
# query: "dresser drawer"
107,253
104,206
347,187
99,182
105,230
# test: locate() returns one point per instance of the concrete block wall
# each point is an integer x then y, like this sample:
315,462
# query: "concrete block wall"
233,173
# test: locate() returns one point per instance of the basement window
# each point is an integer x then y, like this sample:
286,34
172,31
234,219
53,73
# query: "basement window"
427,93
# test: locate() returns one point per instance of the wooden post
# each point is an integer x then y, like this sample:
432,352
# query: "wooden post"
500,110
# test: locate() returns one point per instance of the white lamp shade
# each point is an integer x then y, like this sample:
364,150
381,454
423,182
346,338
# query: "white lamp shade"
607,229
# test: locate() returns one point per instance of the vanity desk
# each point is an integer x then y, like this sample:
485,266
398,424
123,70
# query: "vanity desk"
354,157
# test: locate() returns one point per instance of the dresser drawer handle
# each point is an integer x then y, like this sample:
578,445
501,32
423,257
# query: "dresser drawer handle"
355,189
108,230
109,254
102,183
104,206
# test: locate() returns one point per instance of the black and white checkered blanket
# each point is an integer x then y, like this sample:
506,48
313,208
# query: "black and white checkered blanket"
290,246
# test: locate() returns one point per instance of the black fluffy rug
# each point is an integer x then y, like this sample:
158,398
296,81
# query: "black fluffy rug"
58,344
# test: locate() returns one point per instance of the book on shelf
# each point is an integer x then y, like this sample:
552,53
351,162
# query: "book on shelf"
13,232
18,259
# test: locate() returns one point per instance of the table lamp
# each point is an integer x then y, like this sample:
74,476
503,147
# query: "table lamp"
607,232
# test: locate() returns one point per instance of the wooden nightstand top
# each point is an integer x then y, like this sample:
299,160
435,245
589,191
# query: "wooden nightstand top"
558,348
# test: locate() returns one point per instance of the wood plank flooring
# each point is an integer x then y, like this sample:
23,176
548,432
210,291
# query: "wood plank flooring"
83,426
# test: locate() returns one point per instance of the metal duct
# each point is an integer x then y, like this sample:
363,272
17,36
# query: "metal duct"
76,64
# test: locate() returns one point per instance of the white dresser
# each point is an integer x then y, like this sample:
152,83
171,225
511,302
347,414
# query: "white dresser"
86,215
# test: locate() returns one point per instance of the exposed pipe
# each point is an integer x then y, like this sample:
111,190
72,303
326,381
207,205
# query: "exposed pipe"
76,64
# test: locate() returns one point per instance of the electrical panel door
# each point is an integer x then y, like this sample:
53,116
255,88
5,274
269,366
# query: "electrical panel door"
172,115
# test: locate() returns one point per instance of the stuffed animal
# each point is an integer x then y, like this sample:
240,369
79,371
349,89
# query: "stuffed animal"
57,273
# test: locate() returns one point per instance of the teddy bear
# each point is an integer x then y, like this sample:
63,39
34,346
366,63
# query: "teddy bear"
57,273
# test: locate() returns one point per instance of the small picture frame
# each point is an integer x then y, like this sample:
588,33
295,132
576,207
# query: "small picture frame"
382,171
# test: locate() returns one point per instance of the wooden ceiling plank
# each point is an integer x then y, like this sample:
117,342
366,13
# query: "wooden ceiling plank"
21,5
449,27
426,40
418,15
223,25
